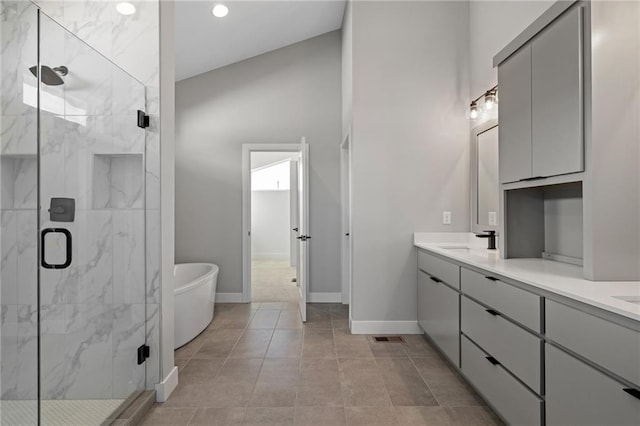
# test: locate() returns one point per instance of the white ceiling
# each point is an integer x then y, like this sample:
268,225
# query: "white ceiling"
204,42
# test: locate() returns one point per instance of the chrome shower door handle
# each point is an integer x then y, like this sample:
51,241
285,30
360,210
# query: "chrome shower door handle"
68,248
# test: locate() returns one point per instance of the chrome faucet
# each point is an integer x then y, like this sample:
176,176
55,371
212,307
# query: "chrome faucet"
491,235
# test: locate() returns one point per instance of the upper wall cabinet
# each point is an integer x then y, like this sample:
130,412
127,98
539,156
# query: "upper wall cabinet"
541,103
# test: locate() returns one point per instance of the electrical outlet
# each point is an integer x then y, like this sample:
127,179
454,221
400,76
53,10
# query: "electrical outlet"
493,219
446,218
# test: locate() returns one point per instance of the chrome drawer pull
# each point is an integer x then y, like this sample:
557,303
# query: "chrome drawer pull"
434,279
492,278
492,312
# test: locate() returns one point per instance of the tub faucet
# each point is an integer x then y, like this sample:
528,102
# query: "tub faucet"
491,236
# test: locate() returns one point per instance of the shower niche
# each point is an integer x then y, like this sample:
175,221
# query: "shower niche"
118,181
19,181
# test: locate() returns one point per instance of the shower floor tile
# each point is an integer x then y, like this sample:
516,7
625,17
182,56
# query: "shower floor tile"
59,412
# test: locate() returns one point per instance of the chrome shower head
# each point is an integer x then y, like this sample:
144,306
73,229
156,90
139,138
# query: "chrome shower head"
51,77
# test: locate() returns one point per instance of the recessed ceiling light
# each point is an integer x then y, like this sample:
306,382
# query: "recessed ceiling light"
220,10
126,8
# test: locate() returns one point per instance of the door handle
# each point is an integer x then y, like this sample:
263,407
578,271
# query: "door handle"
295,229
68,238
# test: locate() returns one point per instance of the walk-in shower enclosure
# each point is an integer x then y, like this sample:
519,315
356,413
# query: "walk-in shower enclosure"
72,243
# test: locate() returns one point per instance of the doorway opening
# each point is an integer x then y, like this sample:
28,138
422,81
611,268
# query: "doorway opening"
275,206
274,218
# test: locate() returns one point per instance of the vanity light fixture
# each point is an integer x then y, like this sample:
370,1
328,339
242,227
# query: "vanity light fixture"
220,10
473,110
490,100
125,8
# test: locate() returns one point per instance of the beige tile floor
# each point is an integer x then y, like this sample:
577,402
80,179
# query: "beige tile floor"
271,281
257,364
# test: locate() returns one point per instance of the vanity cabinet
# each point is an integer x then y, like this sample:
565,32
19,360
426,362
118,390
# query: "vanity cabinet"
578,394
541,103
439,309
537,359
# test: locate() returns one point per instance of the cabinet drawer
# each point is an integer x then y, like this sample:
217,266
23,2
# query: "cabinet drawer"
439,268
612,346
438,315
513,401
507,299
577,394
515,348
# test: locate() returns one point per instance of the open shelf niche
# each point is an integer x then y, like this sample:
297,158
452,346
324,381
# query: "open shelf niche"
545,222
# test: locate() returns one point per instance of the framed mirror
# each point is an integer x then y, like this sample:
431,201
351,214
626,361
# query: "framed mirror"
485,186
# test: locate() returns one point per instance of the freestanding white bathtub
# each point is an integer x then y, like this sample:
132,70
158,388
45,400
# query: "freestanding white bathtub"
195,293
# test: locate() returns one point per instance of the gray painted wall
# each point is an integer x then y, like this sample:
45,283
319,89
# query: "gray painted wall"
492,25
272,98
410,144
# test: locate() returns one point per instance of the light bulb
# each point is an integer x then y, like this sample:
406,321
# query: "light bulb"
220,10
489,99
126,8
473,112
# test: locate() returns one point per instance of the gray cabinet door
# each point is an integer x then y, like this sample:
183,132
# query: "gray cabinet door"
556,96
514,130
578,394
439,314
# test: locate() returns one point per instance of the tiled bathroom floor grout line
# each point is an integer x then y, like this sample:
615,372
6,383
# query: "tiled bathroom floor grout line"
384,385
424,380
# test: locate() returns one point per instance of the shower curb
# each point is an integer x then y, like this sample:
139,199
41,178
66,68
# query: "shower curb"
135,412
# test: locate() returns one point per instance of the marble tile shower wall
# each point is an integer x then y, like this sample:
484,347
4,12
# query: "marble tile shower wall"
92,315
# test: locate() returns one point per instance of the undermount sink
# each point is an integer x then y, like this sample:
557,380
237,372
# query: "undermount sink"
630,299
458,249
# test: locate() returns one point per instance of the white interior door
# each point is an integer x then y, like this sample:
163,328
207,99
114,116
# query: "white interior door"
345,181
303,225
294,210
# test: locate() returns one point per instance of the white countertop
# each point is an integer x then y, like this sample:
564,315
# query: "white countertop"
556,277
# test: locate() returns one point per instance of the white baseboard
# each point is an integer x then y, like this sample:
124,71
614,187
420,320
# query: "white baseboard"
385,327
325,298
228,297
164,388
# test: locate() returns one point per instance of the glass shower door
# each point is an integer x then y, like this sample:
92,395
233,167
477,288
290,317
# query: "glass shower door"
92,231
18,214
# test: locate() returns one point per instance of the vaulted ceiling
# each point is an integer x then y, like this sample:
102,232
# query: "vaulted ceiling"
204,42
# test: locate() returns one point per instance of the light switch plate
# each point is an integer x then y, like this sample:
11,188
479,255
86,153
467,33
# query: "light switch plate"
493,219
446,218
